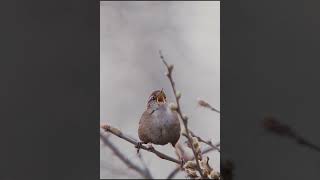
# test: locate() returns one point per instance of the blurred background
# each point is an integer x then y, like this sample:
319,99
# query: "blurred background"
131,34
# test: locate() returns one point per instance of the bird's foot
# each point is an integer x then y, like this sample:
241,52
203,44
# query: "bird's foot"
150,147
182,162
138,146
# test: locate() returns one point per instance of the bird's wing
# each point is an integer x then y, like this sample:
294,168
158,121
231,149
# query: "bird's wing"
145,116
144,127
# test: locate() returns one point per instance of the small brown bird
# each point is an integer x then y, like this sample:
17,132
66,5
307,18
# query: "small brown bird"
159,124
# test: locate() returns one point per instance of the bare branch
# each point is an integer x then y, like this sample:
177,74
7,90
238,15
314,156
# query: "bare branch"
123,158
146,169
176,170
118,133
184,118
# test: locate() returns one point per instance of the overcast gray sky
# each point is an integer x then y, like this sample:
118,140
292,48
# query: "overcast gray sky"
132,33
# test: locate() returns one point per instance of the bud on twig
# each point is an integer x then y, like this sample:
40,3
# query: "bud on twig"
191,173
214,175
190,165
178,94
203,103
183,132
195,143
273,125
184,117
173,107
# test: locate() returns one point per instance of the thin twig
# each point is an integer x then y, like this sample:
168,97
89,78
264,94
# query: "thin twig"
184,118
121,135
123,158
146,169
180,152
204,141
176,170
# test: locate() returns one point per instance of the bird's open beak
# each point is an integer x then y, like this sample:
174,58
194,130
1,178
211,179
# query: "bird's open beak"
161,97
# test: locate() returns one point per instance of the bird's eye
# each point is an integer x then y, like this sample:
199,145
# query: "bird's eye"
152,98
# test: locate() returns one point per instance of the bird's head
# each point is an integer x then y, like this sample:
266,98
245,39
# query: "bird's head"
157,98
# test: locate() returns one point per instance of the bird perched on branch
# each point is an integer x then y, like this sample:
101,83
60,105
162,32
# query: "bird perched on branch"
159,124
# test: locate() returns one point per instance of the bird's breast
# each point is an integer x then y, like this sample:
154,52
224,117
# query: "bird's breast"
164,116
163,126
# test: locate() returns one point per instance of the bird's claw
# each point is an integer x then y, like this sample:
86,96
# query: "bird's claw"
150,147
138,146
182,162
